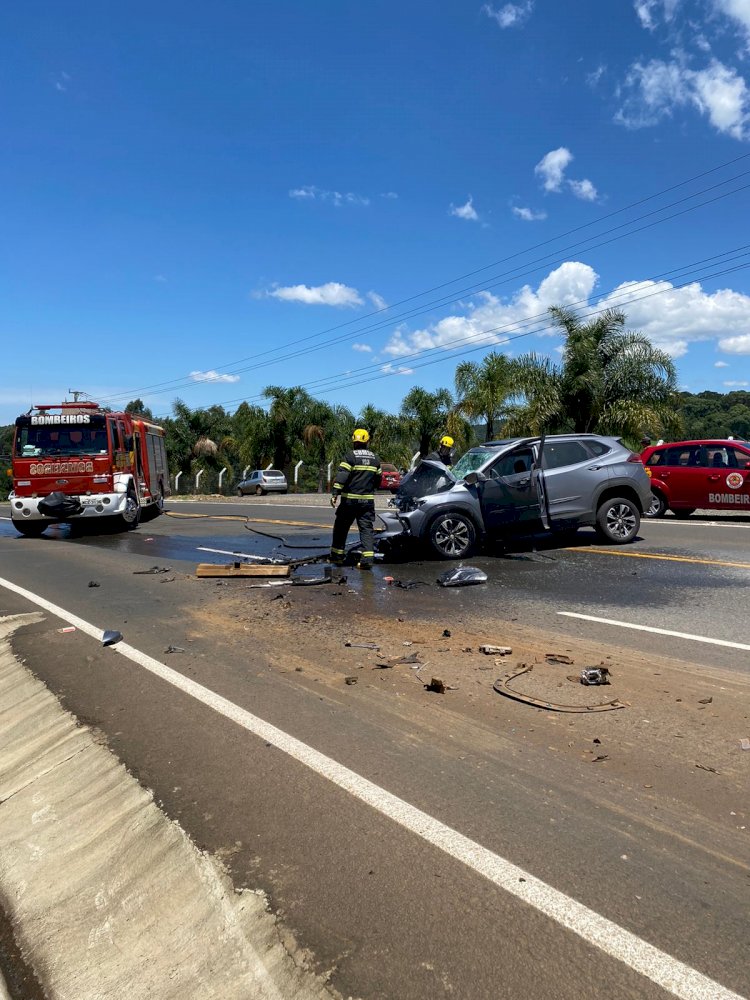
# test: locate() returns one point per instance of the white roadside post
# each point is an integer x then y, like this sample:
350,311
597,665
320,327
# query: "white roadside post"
330,466
244,472
177,481
414,458
269,466
221,477
198,480
297,467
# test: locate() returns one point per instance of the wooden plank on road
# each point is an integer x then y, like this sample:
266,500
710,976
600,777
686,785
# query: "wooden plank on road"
239,569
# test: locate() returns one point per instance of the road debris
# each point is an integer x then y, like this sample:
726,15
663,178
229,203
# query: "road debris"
602,756
462,576
495,650
351,680
705,767
559,658
154,571
174,649
110,637
446,633
409,584
705,701
501,685
595,675
68,628
93,583
744,743
362,645
436,685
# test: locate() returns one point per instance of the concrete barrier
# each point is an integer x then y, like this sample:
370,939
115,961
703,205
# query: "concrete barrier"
108,897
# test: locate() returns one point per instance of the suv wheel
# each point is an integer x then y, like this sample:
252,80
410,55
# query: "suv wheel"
658,506
618,520
452,535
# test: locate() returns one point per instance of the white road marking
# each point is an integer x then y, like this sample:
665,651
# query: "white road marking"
694,524
658,631
669,973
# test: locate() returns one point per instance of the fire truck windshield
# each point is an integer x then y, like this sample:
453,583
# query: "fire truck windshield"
34,442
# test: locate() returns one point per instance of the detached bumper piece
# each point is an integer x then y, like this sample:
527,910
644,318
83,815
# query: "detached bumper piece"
60,506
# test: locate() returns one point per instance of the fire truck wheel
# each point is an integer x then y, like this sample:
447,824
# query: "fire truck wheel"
32,529
132,513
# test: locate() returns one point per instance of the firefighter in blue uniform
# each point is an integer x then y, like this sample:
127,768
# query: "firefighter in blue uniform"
353,495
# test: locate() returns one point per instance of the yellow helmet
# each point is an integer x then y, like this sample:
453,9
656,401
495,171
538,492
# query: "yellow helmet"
361,435
447,441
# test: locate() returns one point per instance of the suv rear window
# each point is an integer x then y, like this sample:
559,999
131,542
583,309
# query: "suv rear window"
598,448
274,472
562,453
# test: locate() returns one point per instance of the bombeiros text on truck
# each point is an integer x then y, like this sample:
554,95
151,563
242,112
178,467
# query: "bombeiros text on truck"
75,461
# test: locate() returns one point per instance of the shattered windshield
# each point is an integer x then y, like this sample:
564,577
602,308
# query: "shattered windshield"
33,442
471,461
427,478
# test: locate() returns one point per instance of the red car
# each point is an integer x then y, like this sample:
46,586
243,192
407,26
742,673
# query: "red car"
688,475
390,477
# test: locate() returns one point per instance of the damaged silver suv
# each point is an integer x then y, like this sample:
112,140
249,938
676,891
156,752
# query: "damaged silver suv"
561,483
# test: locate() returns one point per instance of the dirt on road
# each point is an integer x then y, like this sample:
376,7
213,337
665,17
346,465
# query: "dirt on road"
673,750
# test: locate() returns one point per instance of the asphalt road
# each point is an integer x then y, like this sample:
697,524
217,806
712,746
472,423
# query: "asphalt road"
389,912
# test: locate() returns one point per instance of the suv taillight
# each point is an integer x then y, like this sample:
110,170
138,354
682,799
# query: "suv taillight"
632,457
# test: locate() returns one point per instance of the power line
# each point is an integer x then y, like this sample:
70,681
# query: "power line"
318,386
303,351
185,381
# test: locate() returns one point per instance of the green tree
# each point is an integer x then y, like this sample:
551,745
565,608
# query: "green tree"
486,390
426,415
139,409
610,381
288,414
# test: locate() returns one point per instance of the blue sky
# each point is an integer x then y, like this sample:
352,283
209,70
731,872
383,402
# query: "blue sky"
188,189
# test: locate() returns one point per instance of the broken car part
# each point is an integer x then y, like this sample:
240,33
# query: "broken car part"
462,576
110,637
495,650
595,675
501,685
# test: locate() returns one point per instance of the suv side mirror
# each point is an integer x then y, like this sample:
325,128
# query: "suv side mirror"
475,477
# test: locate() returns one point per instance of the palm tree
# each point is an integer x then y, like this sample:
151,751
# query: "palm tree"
328,433
287,414
485,390
610,381
426,415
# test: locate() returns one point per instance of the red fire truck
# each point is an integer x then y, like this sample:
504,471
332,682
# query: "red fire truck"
75,460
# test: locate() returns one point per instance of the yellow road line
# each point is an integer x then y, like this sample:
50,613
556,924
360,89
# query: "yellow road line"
663,558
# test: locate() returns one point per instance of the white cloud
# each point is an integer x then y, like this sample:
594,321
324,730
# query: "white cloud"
362,348
738,10
512,15
735,345
466,211
721,364
213,376
593,78
333,293
528,214
566,285
652,91
736,384
390,369
309,192
648,11
672,318
389,195
584,190
551,171
377,300
552,167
